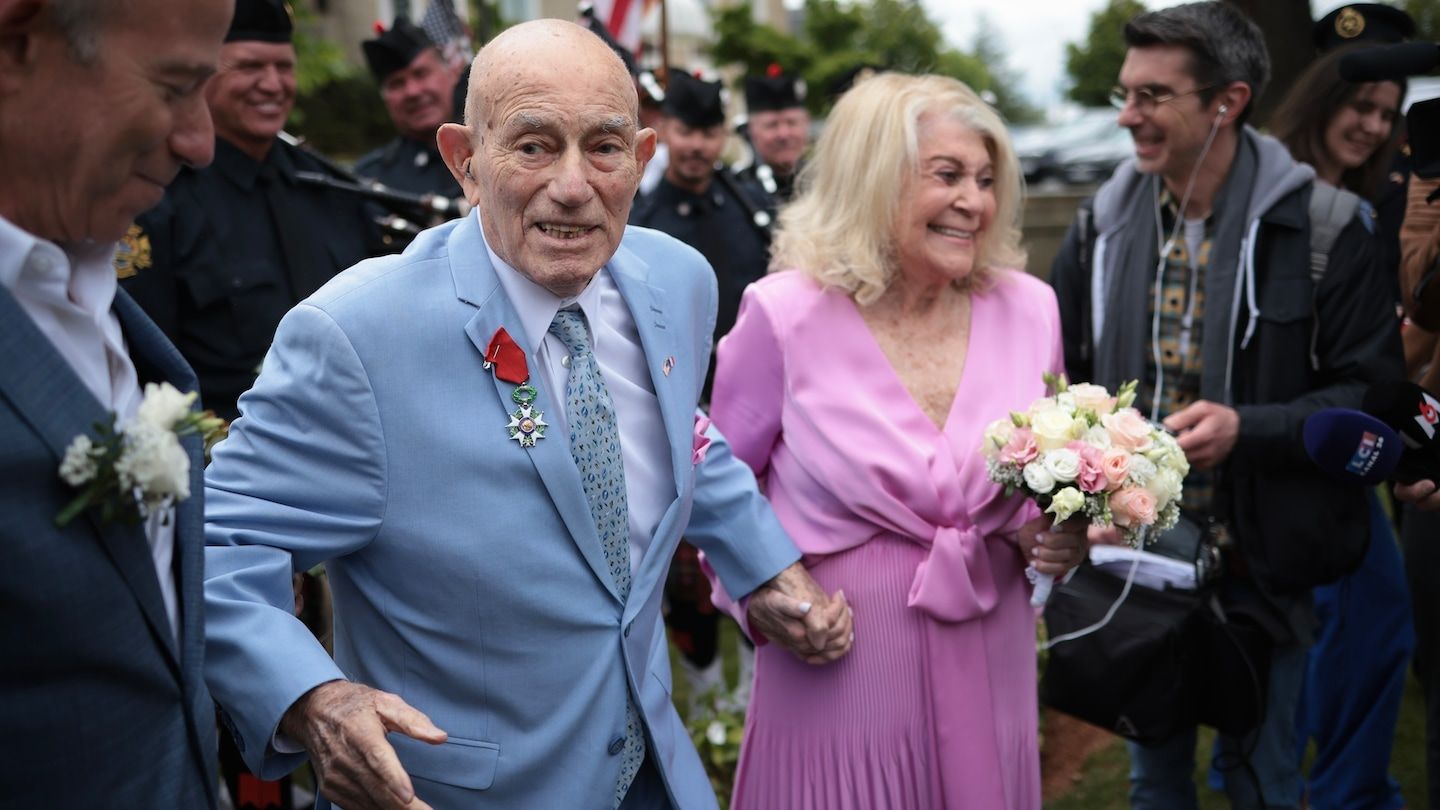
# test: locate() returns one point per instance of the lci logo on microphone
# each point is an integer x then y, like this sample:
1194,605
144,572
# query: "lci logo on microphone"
1429,415
1366,454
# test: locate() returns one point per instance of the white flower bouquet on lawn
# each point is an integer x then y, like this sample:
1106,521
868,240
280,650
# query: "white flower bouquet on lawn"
1082,450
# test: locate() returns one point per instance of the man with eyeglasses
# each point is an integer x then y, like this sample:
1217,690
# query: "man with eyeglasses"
1191,270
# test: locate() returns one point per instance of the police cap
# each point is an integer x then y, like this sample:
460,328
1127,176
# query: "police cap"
1362,22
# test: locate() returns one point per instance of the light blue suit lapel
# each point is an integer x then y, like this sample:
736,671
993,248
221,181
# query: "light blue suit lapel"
44,389
652,313
477,284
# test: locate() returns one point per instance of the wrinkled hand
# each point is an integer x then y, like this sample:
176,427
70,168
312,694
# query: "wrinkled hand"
1056,549
1206,432
1423,494
343,726
793,611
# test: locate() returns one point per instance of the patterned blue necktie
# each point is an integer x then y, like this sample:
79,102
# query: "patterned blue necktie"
595,444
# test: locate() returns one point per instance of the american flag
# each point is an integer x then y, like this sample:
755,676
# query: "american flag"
623,18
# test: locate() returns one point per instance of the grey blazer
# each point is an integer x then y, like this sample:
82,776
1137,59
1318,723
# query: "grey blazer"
100,708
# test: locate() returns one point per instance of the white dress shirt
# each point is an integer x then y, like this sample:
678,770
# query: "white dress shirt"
644,448
68,293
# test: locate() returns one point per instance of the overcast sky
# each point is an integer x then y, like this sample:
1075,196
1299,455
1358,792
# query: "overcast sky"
1034,33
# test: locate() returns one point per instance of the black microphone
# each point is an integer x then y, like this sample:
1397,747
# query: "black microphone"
1352,446
1385,62
1414,413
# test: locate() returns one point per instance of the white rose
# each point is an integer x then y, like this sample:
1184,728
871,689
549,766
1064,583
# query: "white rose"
78,466
1066,401
1165,486
154,462
1093,397
1038,479
163,406
1063,464
1097,436
1142,470
998,433
1053,428
1065,503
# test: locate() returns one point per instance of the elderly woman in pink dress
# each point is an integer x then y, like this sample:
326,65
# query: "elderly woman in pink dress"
857,384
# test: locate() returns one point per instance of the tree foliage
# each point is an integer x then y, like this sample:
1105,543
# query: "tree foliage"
1093,64
838,36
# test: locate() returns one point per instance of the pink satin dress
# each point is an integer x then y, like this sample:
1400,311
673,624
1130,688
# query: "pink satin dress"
936,705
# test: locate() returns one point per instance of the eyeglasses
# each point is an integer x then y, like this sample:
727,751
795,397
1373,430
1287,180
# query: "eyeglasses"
1146,100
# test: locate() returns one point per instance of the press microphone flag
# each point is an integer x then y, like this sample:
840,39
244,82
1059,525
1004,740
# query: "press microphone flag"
1414,413
1352,446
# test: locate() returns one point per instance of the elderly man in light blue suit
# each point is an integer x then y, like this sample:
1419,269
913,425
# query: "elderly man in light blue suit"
492,440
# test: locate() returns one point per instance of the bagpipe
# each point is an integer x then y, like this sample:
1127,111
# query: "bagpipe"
404,213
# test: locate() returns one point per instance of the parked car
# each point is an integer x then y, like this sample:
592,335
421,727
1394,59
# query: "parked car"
1038,147
1092,162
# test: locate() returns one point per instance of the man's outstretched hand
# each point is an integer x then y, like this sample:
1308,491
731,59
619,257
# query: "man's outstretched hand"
793,611
343,726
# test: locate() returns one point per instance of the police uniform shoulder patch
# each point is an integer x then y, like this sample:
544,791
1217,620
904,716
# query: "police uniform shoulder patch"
133,253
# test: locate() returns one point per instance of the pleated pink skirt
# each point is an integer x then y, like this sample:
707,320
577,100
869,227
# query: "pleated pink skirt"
860,733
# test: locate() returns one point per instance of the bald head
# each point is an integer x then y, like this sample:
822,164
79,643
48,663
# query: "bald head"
541,48
551,151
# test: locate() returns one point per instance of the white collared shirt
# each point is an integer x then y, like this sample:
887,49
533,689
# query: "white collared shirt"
644,448
68,293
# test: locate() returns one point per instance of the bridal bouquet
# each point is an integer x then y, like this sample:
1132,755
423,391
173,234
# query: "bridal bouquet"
1082,450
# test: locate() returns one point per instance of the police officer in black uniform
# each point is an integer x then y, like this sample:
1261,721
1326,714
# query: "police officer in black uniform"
233,247
777,127
699,202
418,87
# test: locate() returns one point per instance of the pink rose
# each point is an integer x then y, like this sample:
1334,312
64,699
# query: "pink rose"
1132,507
1116,464
1021,449
1091,476
1128,430
1094,397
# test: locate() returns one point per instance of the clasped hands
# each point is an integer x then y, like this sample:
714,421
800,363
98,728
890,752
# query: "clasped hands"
793,611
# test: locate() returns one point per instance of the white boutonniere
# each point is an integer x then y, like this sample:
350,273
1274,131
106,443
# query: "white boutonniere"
128,473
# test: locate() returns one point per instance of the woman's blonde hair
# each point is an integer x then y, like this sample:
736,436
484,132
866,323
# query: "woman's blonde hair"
840,229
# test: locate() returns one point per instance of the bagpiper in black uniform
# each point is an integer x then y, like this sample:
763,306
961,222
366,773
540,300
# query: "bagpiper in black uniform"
766,96
411,162
232,247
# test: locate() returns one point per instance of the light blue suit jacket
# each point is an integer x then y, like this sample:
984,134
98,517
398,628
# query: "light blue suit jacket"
467,573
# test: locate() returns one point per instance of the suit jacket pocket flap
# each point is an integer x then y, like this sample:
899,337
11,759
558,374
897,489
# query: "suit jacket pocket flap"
459,762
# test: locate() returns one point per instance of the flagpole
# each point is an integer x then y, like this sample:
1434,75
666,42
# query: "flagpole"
664,46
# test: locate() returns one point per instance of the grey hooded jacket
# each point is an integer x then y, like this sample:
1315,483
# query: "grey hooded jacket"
1275,346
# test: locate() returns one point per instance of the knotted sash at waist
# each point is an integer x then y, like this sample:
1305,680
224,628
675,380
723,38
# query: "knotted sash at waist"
954,583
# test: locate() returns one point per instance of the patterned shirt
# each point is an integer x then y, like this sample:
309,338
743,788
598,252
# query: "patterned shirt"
1181,320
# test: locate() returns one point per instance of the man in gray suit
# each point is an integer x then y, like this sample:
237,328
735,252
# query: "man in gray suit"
101,633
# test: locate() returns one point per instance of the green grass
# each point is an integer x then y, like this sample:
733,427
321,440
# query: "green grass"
1104,783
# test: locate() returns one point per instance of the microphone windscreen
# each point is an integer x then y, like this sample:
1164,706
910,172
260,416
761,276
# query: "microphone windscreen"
1414,414
1389,62
1352,446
